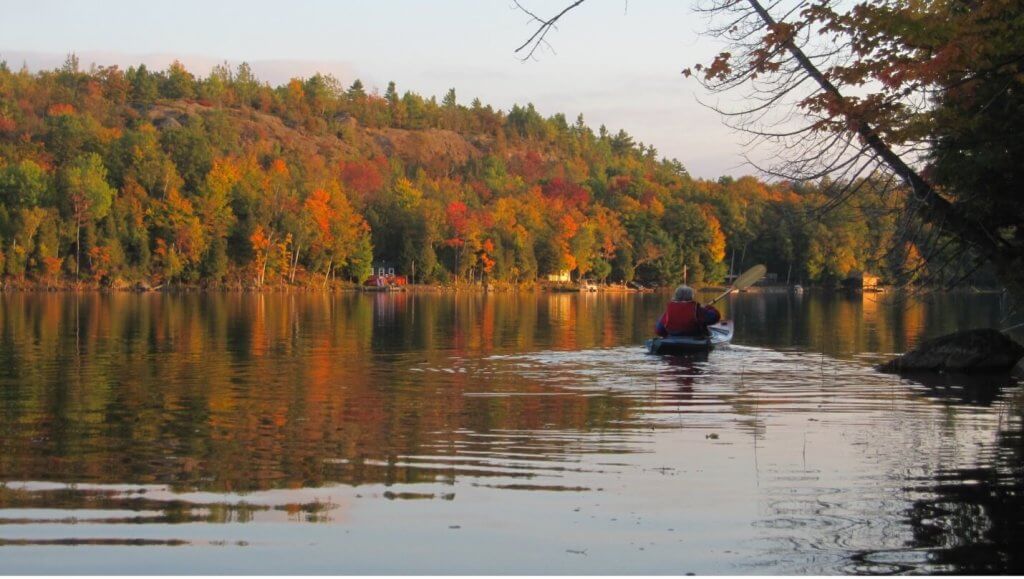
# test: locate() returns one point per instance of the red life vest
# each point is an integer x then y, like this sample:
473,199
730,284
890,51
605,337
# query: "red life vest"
682,318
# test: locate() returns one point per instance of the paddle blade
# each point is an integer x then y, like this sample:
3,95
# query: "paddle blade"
750,277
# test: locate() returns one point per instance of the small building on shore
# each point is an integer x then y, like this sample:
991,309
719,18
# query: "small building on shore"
384,275
564,276
862,281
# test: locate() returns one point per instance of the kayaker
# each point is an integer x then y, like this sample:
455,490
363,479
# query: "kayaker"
686,317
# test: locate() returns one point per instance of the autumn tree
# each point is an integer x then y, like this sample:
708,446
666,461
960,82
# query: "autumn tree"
87,195
218,193
178,83
881,87
339,235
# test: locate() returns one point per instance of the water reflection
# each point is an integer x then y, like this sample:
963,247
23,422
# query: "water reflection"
235,393
971,520
845,324
969,389
156,420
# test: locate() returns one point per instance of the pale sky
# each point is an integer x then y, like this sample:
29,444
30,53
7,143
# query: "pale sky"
617,62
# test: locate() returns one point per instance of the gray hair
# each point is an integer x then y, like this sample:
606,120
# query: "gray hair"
684,293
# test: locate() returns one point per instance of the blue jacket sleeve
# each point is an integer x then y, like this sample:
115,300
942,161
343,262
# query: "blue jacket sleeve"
711,315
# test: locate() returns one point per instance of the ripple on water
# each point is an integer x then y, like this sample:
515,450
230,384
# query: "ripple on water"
749,459
776,381
37,513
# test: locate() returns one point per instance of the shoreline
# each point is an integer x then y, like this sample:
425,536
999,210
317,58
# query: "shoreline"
23,286
338,288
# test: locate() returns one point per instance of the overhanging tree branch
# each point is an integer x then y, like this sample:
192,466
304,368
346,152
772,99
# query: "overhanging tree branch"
538,37
939,209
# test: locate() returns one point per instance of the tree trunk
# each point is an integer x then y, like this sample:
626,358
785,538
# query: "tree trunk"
78,247
327,275
266,259
295,264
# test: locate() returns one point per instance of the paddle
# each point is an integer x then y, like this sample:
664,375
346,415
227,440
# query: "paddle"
745,280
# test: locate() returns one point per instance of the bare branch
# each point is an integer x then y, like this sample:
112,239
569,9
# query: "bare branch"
544,26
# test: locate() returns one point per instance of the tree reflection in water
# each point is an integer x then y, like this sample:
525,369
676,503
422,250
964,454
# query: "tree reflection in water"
127,414
972,521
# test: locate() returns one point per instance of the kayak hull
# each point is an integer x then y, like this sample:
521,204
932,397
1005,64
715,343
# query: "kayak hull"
718,334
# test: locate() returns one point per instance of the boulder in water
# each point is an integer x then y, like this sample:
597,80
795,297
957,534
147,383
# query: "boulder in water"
985,350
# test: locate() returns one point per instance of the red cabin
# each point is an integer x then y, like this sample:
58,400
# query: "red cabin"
384,276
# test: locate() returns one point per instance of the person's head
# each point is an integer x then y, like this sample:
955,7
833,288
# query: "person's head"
684,293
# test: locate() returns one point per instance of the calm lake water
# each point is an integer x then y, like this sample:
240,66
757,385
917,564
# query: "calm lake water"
416,433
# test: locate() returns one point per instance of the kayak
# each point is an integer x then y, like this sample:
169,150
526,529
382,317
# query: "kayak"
718,334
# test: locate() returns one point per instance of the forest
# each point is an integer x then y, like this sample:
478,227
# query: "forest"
112,177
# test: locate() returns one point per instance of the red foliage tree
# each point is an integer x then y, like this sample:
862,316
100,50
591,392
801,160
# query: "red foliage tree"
362,177
572,194
529,166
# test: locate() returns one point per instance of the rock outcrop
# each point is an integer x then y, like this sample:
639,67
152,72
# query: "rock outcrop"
969,351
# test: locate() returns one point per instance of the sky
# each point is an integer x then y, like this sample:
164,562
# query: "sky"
617,62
